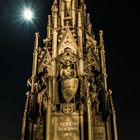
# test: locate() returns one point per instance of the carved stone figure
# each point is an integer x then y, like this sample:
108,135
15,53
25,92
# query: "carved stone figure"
40,98
68,70
68,75
90,40
94,99
40,86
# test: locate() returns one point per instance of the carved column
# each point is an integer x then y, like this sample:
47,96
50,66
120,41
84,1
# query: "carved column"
80,43
23,133
113,117
54,50
108,128
62,13
103,71
34,72
81,110
88,102
89,26
81,70
49,27
49,112
73,13
34,66
103,64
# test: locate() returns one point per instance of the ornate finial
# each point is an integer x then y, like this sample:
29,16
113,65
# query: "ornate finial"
79,19
55,2
101,32
36,41
82,1
36,34
88,18
54,7
89,26
101,38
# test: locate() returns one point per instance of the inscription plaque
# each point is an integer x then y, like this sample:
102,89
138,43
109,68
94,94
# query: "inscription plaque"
99,133
65,127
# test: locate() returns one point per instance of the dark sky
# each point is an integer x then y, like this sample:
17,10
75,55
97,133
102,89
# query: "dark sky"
118,19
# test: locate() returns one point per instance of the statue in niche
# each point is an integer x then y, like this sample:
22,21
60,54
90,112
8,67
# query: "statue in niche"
94,99
41,90
68,75
68,70
40,100
68,65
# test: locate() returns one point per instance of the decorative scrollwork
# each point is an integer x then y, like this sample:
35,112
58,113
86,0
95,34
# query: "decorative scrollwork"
97,121
68,109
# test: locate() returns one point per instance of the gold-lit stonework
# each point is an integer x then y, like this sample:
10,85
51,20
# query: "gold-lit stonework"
68,97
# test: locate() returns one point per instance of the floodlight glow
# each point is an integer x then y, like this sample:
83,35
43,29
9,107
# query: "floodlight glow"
28,14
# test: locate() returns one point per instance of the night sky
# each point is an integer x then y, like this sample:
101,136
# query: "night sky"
118,19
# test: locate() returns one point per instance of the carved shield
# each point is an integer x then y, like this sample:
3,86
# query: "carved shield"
69,88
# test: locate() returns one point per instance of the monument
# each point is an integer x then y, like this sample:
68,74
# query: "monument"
68,97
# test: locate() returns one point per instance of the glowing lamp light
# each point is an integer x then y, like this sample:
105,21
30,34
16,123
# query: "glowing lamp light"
28,14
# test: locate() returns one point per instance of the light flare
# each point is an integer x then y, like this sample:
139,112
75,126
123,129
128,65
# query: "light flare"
28,14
